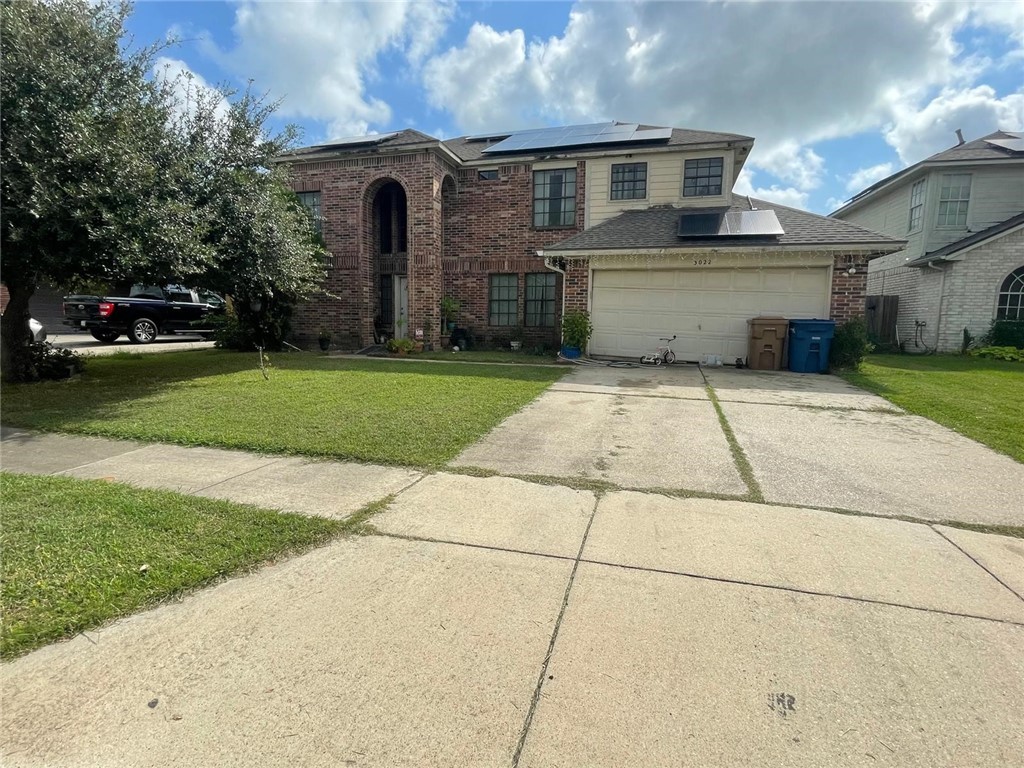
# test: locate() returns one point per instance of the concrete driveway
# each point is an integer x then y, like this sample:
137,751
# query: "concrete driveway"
549,620
86,344
809,440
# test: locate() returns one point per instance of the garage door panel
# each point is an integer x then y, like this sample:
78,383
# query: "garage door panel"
706,309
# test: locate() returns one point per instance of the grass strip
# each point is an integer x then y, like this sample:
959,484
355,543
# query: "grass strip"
79,553
380,411
739,457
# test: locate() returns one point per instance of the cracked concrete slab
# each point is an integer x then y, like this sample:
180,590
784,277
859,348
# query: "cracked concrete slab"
324,488
1002,555
785,388
37,453
680,381
877,463
634,442
173,467
369,651
862,557
492,512
657,669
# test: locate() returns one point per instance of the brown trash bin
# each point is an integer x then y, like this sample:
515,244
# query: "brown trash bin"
767,337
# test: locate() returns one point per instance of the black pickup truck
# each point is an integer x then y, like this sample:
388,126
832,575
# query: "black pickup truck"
145,313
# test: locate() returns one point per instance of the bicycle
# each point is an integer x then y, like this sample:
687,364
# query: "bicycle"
662,355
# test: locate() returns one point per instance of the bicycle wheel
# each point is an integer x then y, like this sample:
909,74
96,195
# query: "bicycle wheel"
670,357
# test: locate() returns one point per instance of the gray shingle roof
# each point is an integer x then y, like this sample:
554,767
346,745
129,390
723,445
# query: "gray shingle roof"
975,237
397,139
657,227
976,151
681,137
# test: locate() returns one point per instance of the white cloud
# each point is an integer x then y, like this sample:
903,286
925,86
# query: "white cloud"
864,177
918,132
187,85
320,56
738,67
794,198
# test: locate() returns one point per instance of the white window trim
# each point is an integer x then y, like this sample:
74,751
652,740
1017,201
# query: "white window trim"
939,201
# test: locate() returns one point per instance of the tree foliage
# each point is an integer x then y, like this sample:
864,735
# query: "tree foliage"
113,171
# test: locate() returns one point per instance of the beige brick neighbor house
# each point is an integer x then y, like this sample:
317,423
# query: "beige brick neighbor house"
962,214
636,224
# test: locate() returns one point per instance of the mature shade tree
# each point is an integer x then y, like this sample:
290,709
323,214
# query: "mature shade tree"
112,172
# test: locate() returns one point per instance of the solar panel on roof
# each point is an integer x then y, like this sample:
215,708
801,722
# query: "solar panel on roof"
578,136
699,224
730,224
1015,144
747,223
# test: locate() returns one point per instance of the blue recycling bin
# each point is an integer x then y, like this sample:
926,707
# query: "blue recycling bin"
809,345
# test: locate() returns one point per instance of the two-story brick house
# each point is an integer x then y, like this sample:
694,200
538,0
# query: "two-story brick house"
961,212
637,224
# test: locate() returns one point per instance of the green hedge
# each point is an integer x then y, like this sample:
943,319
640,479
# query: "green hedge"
1005,333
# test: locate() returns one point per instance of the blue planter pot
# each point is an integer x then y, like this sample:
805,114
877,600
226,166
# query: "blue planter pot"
571,352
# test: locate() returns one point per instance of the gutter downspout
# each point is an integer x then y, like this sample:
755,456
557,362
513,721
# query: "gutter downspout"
942,295
549,263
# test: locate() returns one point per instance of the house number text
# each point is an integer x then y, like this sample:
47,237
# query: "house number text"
702,262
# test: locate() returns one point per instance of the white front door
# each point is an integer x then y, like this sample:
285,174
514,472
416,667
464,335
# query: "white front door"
401,307
707,309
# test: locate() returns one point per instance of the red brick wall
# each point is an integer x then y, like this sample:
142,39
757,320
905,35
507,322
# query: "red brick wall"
461,229
849,292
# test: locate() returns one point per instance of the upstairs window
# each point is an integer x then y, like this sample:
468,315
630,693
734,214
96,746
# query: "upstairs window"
554,198
953,199
629,181
702,177
540,299
504,300
916,206
1011,297
490,174
312,202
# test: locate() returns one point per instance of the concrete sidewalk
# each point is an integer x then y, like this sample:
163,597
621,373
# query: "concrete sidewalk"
493,621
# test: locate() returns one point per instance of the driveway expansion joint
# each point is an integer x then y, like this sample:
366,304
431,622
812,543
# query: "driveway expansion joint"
551,645
978,563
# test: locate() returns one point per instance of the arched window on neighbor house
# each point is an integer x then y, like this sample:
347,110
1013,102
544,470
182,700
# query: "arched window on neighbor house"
1011,297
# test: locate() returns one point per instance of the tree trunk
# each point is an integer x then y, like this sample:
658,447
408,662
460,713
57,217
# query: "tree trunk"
14,330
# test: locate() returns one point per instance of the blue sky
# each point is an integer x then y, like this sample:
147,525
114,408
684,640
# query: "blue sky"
837,94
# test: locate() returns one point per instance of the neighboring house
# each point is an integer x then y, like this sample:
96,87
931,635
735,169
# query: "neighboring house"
636,224
962,214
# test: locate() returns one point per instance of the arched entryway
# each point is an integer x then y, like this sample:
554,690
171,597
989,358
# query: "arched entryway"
389,253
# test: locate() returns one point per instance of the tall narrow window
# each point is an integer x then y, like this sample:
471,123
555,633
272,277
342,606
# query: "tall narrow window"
540,299
312,201
1011,297
954,197
554,198
702,177
629,181
916,206
504,300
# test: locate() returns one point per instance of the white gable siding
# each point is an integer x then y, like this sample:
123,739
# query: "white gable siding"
664,183
890,214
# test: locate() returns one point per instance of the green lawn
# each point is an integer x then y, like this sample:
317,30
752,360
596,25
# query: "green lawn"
387,411
74,551
982,399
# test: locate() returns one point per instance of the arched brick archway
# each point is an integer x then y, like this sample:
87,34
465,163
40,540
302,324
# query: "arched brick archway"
385,240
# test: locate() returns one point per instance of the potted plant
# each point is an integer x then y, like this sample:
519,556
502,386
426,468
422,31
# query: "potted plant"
516,342
576,330
325,339
449,312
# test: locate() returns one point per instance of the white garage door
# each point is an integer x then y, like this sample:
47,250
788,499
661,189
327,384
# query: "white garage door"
707,309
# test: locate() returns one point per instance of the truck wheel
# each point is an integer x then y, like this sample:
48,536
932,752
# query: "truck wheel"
107,337
143,331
